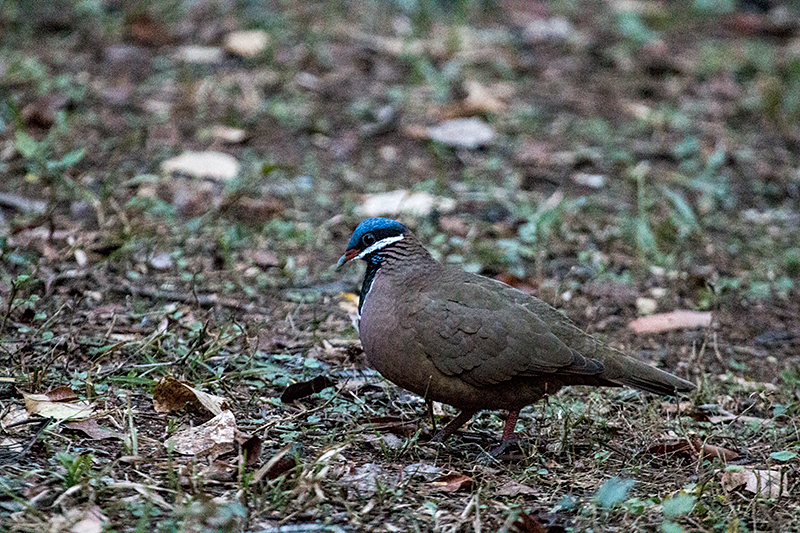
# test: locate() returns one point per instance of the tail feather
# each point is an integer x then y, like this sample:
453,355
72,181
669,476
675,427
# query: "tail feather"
620,369
650,379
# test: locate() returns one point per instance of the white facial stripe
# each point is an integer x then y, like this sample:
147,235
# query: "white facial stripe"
378,245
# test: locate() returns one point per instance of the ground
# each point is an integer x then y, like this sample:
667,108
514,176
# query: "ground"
638,158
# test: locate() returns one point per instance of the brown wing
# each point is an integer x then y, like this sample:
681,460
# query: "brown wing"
482,334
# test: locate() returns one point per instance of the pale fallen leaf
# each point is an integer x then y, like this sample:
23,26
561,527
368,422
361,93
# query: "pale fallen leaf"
747,383
404,202
512,488
172,395
767,483
214,438
42,405
481,99
9,445
144,490
12,417
388,441
425,470
680,319
212,165
716,415
77,520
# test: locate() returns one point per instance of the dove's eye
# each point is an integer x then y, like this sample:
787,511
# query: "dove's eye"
368,240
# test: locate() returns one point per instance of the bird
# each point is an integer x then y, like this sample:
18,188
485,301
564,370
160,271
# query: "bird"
473,342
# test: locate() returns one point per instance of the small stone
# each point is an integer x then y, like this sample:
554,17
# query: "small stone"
161,261
658,292
388,153
247,44
646,306
469,133
228,135
595,181
199,55
554,30
80,258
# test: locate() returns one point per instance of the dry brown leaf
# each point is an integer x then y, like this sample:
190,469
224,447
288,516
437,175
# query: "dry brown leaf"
61,394
172,395
680,319
526,523
220,471
279,464
251,448
40,404
767,483
512,488
690,448
452,482
715,451
93,429
214,438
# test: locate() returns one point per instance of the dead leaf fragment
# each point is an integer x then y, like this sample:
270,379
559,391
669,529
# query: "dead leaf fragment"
281,463
766,483
690,448
13,417
172,395
452,482
512,488
214,438
526,523
680,319
481,99
296,391
61,394
251,448
76,520
93,429
42,405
